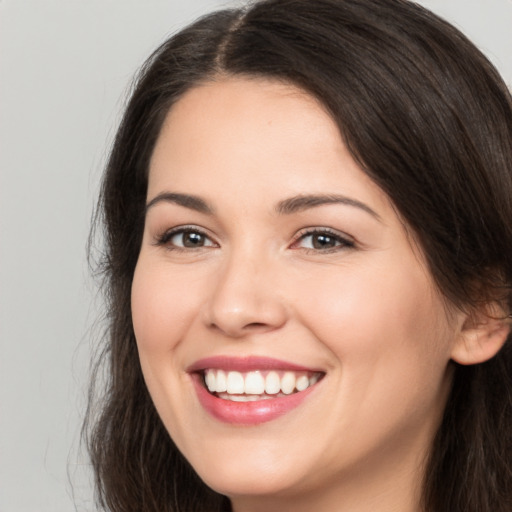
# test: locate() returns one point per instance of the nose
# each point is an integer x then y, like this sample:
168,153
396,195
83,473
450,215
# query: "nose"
245,298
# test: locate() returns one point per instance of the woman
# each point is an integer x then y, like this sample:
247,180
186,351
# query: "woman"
308,237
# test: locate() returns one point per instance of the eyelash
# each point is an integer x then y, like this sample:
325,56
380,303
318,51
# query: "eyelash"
165,238
342,242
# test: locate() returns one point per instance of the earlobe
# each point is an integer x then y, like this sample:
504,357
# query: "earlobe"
482,336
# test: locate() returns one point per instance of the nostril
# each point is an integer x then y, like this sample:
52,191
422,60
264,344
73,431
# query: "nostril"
256,326
243,330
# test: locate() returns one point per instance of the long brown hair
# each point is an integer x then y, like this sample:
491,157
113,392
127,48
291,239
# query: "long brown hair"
429,120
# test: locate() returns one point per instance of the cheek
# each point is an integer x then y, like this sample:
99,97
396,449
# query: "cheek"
162,312
390,339
387,314
161,307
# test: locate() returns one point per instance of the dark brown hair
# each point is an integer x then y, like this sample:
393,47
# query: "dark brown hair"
429,120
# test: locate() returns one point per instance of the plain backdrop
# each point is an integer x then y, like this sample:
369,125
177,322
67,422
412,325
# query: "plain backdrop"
65,68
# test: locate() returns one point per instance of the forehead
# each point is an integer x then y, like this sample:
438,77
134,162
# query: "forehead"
225,134
243,113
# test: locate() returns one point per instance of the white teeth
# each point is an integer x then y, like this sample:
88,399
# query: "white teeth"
288,383
244,398
255,385
209,380
272,383
235,383
221,381
302,383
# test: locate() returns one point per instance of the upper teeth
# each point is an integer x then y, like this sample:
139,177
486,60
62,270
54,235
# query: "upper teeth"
257,382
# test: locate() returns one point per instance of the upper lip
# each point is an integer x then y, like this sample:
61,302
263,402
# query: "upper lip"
247,364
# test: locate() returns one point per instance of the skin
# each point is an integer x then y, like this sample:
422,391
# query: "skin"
365,312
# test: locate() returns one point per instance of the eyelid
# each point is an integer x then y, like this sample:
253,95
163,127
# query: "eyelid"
164,237
346,241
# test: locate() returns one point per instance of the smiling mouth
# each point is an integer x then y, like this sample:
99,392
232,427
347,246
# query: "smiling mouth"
257,385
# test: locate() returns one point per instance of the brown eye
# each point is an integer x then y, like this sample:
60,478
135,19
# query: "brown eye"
192,239
186,239
323,240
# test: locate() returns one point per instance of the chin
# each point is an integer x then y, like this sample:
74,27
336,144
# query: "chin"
246,477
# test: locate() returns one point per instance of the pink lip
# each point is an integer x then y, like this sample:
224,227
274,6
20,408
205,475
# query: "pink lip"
246,364
246,413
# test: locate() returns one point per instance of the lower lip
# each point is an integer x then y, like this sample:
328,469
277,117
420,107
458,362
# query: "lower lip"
248,413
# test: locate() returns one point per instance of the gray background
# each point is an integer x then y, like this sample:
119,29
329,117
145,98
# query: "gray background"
65,67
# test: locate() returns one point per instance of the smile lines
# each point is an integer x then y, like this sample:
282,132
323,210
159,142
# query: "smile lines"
257,385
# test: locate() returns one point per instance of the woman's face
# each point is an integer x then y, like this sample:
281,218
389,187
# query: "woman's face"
270,262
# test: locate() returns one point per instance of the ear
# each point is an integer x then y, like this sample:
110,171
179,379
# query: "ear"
483,334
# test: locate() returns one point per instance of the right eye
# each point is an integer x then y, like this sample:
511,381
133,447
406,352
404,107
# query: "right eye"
185,238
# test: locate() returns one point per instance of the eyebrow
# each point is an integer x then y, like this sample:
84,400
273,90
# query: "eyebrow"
305,202
186,200
288,206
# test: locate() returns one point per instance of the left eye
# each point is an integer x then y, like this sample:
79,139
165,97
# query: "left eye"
187,239
322,240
